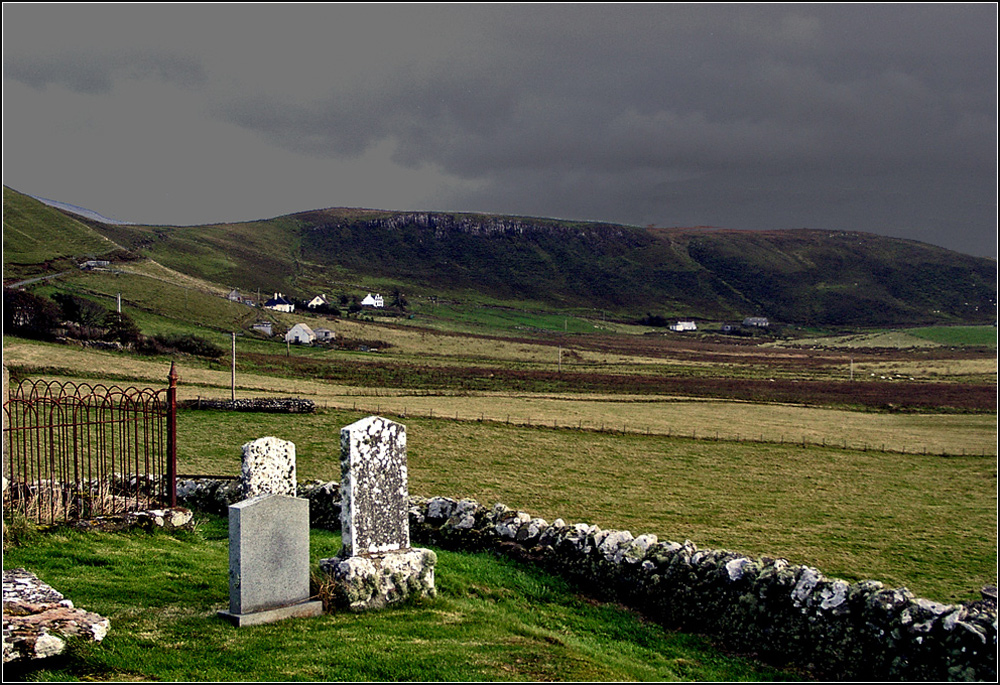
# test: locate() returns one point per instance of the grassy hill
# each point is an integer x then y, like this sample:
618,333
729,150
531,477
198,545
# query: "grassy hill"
801,277
38,239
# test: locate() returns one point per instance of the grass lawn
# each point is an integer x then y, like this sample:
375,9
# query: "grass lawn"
493,620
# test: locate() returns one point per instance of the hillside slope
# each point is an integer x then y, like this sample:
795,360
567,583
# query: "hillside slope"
38,239
804,277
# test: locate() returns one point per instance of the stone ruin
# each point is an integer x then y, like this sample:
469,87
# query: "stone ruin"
376,565
37,620
269,540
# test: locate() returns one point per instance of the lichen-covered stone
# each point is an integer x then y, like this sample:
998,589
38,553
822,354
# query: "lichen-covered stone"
213,495
170,518
372,581
268,468
635,552
439,509
324,503
373,486
273,405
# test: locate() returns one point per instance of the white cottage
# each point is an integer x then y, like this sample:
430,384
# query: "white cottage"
684,326
300,334
318,301
373,301
279,304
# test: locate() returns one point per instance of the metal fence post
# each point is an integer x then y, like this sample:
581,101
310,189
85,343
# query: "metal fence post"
6,432
172,379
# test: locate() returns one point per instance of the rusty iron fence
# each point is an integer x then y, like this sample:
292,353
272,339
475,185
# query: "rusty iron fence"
77,451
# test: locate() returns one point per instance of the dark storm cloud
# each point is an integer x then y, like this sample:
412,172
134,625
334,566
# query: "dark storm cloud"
877,118
95,73
703,88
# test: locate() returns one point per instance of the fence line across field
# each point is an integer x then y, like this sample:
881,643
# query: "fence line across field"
637,429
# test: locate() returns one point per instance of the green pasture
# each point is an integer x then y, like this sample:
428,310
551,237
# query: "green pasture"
173,307
927,523
512,320
493,620
927,337
963,336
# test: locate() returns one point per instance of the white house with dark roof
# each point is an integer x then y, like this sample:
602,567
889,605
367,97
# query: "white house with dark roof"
279,304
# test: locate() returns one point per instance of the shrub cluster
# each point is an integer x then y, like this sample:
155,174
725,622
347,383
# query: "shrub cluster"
69,316
186,344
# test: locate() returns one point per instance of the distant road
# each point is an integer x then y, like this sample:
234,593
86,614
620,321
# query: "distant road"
36,280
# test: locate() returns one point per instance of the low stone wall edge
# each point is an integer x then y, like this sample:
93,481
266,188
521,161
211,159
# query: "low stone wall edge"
781,612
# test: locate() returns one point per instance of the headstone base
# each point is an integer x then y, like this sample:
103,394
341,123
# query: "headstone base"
372,581
256,618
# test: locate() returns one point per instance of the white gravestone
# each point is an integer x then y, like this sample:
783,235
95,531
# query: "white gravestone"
376,565
374,516
268,467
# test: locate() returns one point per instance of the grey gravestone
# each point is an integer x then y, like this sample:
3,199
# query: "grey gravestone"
268,467
269,539
269,560
376,565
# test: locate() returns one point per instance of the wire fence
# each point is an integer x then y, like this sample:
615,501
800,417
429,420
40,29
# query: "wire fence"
637,428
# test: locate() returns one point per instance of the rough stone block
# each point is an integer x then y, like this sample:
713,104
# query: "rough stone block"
37,619
373,581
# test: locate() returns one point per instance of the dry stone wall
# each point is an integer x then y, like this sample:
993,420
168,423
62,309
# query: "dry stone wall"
270,405
783,612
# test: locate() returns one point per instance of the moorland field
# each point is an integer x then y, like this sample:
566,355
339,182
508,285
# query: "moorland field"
867,450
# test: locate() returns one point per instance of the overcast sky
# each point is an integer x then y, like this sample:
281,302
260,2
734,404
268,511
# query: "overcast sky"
877,118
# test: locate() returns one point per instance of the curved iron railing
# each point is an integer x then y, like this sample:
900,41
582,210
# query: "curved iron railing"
80,450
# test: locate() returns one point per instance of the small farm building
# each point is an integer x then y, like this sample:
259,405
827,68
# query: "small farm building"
683,326
756,322
300,334
325,334
264,327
